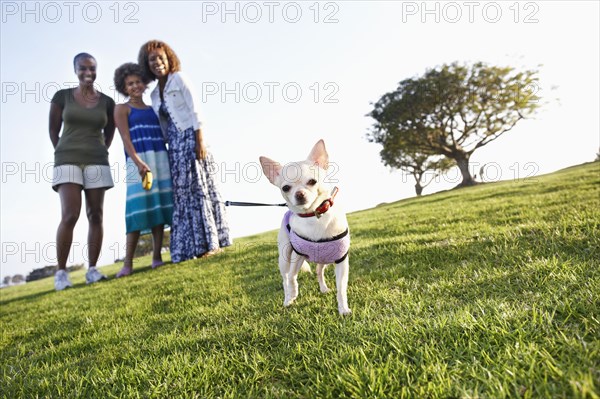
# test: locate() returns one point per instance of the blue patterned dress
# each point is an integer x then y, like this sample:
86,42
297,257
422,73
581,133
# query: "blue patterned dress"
146,209
199,223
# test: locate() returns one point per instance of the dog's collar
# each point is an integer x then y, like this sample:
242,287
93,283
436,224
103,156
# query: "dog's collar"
321,209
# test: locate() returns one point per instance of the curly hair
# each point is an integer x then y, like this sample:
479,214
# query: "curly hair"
147,48
125,70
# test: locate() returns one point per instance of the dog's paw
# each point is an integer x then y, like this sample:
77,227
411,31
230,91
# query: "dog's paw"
288,302
344,311
324,290
305,268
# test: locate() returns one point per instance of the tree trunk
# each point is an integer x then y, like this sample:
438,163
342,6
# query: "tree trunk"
418,189
462,160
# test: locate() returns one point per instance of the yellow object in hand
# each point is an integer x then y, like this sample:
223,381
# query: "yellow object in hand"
147,181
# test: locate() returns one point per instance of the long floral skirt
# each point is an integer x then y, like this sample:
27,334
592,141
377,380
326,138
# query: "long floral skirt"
199,220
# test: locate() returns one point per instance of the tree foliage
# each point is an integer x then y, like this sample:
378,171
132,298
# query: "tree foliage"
423,167
452,111
144,246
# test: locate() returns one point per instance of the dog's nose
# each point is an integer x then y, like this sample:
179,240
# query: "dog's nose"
300,197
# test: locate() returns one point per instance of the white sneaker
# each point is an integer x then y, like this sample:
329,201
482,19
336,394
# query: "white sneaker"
93,276
61,280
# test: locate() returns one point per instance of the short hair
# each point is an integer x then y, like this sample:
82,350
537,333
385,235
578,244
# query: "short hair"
81,56
125,70
147,48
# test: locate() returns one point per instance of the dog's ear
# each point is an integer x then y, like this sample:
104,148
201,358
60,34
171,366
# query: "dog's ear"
271,169
319,155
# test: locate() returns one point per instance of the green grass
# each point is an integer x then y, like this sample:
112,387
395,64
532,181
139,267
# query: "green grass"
491,291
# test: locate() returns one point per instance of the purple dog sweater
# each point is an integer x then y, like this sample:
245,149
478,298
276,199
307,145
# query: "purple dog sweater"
332,250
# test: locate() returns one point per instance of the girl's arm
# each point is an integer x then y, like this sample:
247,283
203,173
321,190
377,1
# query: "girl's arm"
120,118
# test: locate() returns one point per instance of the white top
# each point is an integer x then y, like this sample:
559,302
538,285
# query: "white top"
180,101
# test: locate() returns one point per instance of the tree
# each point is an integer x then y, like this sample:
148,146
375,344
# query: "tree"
144,246
452,111
415,163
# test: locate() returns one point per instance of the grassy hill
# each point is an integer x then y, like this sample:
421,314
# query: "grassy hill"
491,291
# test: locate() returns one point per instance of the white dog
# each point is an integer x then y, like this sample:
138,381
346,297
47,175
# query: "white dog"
313,229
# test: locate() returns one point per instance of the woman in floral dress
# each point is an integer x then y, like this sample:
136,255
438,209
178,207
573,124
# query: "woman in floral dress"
199,223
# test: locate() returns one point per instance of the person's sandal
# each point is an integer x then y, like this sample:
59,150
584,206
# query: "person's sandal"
157,263
212,253
125,271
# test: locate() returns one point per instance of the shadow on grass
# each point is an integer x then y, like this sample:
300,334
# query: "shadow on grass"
394,256
77,286
32,296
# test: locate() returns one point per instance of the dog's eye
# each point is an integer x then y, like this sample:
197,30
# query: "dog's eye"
312,182
285,188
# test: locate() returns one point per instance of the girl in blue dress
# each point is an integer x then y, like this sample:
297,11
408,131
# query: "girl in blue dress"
145,151
199,225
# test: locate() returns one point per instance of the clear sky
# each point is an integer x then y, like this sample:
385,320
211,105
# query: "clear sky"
274,77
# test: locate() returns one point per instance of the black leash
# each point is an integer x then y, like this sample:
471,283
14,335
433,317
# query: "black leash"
234,203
